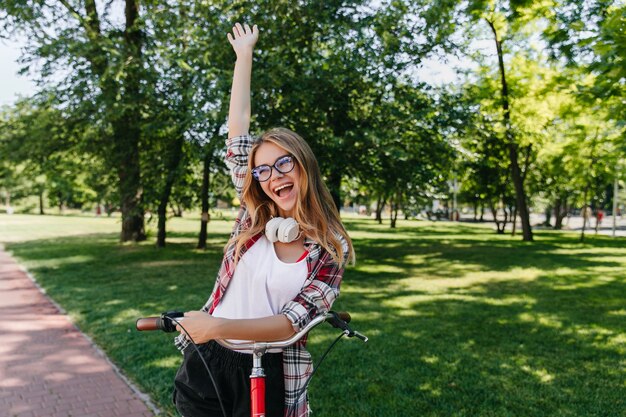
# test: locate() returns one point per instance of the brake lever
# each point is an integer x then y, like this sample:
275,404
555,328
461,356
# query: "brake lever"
335,321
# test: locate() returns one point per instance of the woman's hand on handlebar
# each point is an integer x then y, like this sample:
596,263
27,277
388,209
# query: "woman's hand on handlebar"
201,326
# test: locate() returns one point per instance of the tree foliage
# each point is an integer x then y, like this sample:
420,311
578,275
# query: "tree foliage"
138,92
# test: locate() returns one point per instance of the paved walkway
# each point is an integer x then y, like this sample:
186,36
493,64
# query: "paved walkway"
47,367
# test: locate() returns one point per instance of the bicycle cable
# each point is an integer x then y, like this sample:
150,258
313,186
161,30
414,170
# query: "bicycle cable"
206,366
292,408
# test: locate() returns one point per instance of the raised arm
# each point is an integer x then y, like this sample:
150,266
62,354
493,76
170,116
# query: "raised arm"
242,40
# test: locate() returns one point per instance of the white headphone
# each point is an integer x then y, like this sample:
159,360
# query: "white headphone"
282,230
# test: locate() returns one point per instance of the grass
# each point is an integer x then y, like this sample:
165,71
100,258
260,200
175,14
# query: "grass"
462,322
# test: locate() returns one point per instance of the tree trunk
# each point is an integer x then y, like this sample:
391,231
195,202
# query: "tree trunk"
560,212
177,210
172,170
205,218
584,213
163,201
500,225
559,216
380,205
516,175
334,186
586,209
394,204
127,132
548,221
126,149
520,195
41,208
514,221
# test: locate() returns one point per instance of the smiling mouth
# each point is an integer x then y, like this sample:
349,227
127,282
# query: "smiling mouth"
283,190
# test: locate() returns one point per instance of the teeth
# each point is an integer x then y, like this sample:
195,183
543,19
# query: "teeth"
277,189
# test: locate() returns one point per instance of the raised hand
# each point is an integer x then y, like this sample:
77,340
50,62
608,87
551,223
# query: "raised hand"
243,38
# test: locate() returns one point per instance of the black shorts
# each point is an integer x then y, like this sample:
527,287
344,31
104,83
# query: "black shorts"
194,393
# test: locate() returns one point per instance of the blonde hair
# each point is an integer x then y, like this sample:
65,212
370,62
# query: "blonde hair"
314,210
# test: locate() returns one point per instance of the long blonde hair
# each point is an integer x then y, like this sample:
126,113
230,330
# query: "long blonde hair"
315,209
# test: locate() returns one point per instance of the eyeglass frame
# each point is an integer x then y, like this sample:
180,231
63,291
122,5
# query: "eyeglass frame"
256,177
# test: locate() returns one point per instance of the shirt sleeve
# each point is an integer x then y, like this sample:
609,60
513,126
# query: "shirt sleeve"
237,150
318,296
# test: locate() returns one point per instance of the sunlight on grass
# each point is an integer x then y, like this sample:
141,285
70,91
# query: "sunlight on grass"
127,315
546,320
159,264
541,374
167,362
430,359
428,387
617,341
61,262
470,279
21,228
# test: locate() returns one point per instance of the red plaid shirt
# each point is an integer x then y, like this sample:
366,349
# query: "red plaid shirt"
320,289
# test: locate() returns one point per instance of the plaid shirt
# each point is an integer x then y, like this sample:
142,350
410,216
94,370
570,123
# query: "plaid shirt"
316,297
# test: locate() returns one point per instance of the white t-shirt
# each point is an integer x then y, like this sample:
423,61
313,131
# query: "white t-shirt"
262,284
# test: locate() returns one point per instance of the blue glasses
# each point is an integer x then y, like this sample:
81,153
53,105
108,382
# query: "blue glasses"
283,164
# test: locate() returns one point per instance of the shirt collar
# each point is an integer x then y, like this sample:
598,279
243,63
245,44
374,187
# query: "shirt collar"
308,242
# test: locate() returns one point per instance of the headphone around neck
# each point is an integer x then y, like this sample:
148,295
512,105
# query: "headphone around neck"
282,230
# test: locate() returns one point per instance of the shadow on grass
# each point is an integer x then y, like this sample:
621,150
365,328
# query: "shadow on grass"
462,322
498,349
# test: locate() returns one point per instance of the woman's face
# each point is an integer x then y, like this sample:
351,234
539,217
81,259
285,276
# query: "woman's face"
282,188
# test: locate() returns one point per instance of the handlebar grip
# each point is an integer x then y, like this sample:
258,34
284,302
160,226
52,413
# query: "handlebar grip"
149,323
164,322
345,316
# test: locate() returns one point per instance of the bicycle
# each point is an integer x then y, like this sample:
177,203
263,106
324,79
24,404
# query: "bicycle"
167,322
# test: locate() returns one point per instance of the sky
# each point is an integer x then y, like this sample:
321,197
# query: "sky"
12,85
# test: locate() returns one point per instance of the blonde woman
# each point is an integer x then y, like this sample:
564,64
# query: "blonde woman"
281,268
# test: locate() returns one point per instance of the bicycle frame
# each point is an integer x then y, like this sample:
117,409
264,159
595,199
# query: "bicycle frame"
257,376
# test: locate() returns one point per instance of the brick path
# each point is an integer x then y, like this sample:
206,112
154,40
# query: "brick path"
47,367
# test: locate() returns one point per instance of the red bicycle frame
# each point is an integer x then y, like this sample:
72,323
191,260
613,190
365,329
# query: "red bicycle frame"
257,387
257,377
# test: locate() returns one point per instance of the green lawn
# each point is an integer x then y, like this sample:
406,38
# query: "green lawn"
462,322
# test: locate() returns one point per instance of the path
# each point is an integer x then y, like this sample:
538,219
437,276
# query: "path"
47,367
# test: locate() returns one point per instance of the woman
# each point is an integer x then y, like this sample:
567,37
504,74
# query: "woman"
273,279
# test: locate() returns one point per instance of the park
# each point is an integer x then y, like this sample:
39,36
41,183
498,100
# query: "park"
485,211
461,321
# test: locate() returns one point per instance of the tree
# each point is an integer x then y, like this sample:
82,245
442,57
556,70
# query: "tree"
103,63
39,142
405,155
590,37
505,18
486,176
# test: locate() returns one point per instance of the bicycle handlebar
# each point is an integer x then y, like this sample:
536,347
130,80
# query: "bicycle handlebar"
338,320
163,322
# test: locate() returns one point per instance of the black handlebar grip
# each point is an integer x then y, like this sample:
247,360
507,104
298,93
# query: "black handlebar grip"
345,316
149,323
